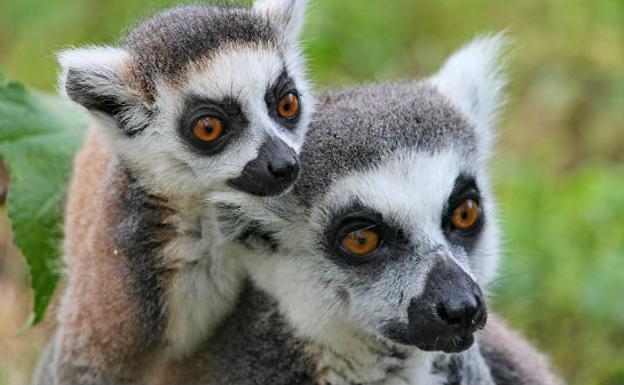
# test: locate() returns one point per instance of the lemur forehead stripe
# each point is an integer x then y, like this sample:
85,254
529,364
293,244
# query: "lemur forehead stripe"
198,31
357,127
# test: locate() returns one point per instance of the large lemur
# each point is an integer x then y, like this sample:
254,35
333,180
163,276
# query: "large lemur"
372,270
196,99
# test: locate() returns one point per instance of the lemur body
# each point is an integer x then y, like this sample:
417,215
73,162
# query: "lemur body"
370,271
197,99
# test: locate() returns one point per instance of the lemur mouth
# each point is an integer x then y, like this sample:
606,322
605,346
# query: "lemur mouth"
447,344
260,189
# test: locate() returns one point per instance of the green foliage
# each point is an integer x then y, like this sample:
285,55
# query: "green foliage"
562,277
38,137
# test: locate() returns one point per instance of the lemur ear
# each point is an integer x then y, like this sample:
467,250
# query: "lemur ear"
289,14
94,78
472,78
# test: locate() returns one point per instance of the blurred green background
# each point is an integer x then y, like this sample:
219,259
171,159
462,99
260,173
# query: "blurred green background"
559,167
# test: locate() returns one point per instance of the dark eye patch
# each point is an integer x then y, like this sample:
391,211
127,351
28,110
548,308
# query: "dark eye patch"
356,217
465,188
282,87
227,111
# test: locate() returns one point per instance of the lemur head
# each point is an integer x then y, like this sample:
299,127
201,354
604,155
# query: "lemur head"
201,98
391,230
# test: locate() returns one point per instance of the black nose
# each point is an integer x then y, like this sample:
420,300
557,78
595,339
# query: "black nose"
271,173
284,168
448,312
466,312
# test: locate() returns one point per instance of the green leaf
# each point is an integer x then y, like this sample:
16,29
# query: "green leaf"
39,135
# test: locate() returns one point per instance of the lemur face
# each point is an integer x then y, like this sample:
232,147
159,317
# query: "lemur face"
404,247
201,99
398,238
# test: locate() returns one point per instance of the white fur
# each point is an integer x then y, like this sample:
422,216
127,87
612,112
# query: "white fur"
205,284
93,60
472,79
345,353
289,14
414,187
104,69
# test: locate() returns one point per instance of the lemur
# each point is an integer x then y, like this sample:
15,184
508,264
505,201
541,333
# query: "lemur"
372,270
196,99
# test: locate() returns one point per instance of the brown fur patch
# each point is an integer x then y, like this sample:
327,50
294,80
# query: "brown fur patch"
98,319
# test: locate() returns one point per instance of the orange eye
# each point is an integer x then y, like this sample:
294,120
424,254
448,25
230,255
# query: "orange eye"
208,129
465,215
360,242
288,107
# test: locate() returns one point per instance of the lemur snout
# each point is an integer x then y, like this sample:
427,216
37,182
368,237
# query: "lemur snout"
465,313
271,173
284,168
449,311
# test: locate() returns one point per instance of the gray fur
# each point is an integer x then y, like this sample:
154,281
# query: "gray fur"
199,30
362,125
464,368
140,233
254,345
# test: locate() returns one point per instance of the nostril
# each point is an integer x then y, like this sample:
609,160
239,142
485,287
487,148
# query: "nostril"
480,316
443,313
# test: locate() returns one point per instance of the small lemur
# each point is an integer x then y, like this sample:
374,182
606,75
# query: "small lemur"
371,271
196,99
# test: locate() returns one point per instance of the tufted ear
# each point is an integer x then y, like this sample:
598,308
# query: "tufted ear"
94,78
472,78
288,14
